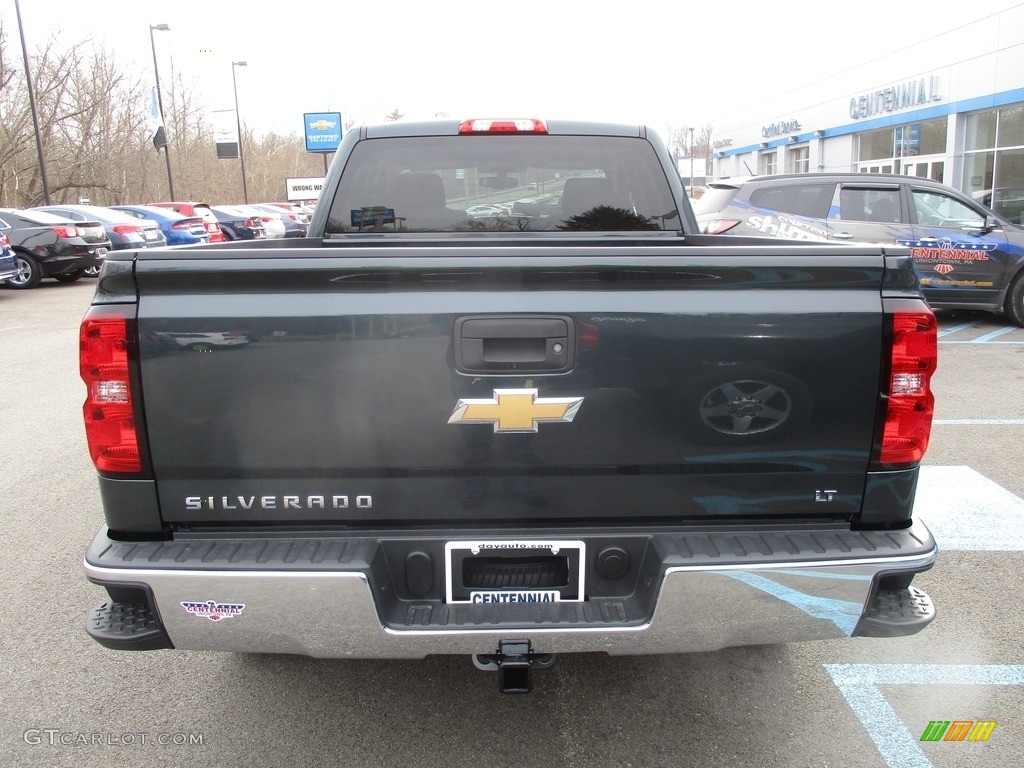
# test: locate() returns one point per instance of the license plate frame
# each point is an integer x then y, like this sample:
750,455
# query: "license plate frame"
457,553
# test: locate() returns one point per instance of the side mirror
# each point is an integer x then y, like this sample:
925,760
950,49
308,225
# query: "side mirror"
990,223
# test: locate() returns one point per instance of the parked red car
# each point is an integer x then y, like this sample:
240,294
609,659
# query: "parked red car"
202,210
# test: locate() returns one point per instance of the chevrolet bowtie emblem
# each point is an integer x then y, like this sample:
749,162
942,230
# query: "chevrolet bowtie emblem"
515,410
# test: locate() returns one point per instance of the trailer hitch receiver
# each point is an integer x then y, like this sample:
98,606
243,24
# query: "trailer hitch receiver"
514,662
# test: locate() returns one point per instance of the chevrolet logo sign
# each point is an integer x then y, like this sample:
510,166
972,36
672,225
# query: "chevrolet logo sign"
515,410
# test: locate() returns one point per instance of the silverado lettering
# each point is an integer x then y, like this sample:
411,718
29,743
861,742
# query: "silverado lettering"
662,441
197,503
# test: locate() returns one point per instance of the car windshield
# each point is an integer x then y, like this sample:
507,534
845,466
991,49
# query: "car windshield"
503,184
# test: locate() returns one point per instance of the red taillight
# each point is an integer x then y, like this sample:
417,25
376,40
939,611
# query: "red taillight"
65,231
127,229
253,222
910,402
503,126
103,362
718,226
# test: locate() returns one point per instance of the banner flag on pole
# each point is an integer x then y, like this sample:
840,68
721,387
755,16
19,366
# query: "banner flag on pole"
157,122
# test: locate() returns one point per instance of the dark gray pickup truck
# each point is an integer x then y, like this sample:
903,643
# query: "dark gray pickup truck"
504,401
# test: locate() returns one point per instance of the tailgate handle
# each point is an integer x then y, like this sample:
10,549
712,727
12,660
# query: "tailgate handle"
514,344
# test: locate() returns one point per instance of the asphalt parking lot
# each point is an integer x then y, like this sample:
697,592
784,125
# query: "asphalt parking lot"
867,702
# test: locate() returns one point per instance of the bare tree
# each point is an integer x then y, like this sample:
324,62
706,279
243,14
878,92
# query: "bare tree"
95,130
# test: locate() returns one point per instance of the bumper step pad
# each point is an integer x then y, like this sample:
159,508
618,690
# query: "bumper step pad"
126,627
896,613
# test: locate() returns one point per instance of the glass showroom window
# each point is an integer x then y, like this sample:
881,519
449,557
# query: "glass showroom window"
876,145
769,163
889,149
799,160
994,160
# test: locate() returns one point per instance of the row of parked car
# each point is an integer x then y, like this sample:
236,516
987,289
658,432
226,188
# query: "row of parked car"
69,242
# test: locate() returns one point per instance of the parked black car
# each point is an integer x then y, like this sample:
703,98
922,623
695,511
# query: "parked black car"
124,231
47,246
8,264
238,225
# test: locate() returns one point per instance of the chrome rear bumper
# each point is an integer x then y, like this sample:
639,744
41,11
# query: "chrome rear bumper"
689,594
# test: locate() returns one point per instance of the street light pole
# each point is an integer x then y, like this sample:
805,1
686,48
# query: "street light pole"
32,106
238,121
160,105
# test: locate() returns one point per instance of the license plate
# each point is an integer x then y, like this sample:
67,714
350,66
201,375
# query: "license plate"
514,571
150,234
101,251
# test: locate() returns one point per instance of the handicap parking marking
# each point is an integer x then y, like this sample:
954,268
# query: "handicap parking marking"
986,338
859,684
966,511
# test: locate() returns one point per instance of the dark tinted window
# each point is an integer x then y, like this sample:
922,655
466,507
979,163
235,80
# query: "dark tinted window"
39,217
503,184
811,200
865,204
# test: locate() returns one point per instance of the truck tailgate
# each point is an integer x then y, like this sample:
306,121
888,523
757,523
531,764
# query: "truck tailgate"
375,387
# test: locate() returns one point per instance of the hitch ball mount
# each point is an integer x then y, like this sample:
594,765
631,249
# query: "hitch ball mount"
514,661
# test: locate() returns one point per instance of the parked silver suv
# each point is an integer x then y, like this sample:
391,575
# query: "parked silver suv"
966,256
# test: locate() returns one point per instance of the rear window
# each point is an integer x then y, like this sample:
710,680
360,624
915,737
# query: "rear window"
204,212
503,184
42,217
810,200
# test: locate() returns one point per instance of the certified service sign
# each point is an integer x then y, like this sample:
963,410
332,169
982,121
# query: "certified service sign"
322,130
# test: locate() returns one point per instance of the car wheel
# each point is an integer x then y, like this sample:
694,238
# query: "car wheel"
70,277
29,273
743,405
92,271
1015,300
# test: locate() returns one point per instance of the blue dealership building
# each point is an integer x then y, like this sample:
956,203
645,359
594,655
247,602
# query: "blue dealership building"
949,109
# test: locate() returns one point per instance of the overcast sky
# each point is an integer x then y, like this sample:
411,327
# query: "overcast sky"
662,62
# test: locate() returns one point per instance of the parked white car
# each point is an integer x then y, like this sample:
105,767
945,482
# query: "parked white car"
272,222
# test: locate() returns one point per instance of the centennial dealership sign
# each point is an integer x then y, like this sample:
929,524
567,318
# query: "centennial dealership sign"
913,93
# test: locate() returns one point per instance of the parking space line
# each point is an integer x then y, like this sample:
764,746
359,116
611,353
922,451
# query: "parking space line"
979,422
966,511
995,334
958,328
898,746
979,340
